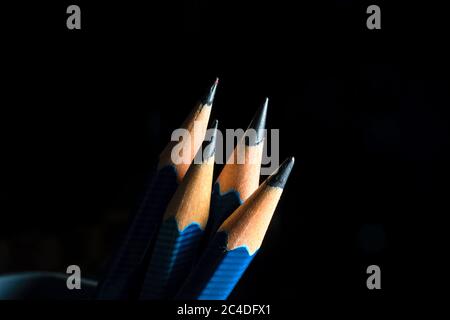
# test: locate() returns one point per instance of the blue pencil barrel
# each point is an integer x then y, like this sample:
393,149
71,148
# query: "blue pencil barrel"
217,272
139,236
222,205
171,260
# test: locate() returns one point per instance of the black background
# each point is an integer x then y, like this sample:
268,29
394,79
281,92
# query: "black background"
365,112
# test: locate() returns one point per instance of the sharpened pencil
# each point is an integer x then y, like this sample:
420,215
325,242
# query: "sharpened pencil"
124,267
239,179
236,242
182,228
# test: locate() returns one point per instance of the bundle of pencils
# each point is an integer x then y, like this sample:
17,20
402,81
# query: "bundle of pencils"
191,239
123,270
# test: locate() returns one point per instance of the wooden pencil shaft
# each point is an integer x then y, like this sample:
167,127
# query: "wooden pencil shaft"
240,176
236,242
232,248
179,236
138,240
196,123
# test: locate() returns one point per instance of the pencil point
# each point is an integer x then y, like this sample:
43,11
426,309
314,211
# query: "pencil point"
215,124
258,124
279,178
209,147
209,97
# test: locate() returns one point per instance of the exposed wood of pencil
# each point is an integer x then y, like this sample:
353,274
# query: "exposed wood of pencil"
240,176
190,202
247,226
236,242
244,177
184,221
196,123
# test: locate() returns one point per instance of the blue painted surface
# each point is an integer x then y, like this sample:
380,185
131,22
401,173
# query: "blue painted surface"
217,272
139,236
222,206
172,259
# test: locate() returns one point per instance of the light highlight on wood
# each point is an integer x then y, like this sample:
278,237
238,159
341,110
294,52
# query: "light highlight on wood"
247,226
191,201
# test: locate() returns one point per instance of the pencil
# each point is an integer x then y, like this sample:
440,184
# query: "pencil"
239,179
182,228
236,242
123,269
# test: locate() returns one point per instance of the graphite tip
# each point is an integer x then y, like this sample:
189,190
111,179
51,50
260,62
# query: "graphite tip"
258,124
279,178
208,98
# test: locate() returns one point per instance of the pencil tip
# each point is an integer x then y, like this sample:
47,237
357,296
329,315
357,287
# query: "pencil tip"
209,96
279,178
258,124
209,146
215,124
